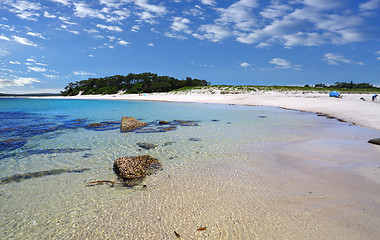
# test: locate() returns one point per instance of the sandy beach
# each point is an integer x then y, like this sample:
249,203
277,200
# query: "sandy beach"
350,108
320,187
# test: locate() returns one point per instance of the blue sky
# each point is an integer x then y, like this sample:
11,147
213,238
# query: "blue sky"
48,43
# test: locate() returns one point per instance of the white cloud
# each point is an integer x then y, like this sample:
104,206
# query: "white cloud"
24,41
35,35
14,62
110,28
111,3
4,38
208,2
335,59
17,82
48,15
275,10
179,25
213,33
323,4
370,5
64,2
151,44
83,11
240,14
122,42
135,28
37,69
24,9
150,7
281,63
245,64
82,73
50,76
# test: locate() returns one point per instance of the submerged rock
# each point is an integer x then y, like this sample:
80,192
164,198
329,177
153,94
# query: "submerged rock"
163,122
194,139
130,123
374,141
186,123
132,168
21,177
146,145
96,125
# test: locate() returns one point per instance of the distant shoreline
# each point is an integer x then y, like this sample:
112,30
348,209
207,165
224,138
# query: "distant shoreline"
351,108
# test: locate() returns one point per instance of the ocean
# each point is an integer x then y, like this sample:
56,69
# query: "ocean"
213,168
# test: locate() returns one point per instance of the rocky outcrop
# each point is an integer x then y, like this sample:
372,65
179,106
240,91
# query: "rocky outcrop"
130,123
133,168
375,141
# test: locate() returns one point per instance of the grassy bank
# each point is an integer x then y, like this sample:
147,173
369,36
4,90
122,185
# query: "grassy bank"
230,89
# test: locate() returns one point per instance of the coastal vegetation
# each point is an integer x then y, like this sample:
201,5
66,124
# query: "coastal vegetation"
132,83
341,87
150,82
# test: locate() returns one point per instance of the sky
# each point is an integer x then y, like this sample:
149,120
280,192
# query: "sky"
45,44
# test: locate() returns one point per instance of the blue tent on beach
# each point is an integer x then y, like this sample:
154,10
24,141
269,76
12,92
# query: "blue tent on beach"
334,94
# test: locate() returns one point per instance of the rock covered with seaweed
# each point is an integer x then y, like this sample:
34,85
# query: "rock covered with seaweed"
133,168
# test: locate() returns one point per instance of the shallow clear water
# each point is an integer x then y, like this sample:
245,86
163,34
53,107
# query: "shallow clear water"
52,136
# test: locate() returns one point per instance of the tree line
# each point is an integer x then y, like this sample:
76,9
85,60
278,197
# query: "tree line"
346,85
132,83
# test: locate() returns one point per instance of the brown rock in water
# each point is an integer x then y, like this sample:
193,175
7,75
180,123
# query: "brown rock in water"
375,141
132,168
130,123
163,122
96,125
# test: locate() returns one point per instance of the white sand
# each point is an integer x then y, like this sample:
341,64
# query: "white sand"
350,108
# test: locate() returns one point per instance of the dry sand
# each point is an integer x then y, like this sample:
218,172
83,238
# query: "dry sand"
313,189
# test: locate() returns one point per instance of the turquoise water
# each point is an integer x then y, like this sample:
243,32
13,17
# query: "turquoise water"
48,153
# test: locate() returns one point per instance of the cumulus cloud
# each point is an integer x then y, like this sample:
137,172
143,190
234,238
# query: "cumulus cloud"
82,10
37,69
212,32
151,44
240,14
17,82
208,2
48,15
110,28
35,35
14,62
24,9
150,7
24,41
284,64
122,42
245,64
64,2
4,38
179,25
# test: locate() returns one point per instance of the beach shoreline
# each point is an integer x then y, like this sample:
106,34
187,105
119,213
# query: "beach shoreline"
321,184
350,108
